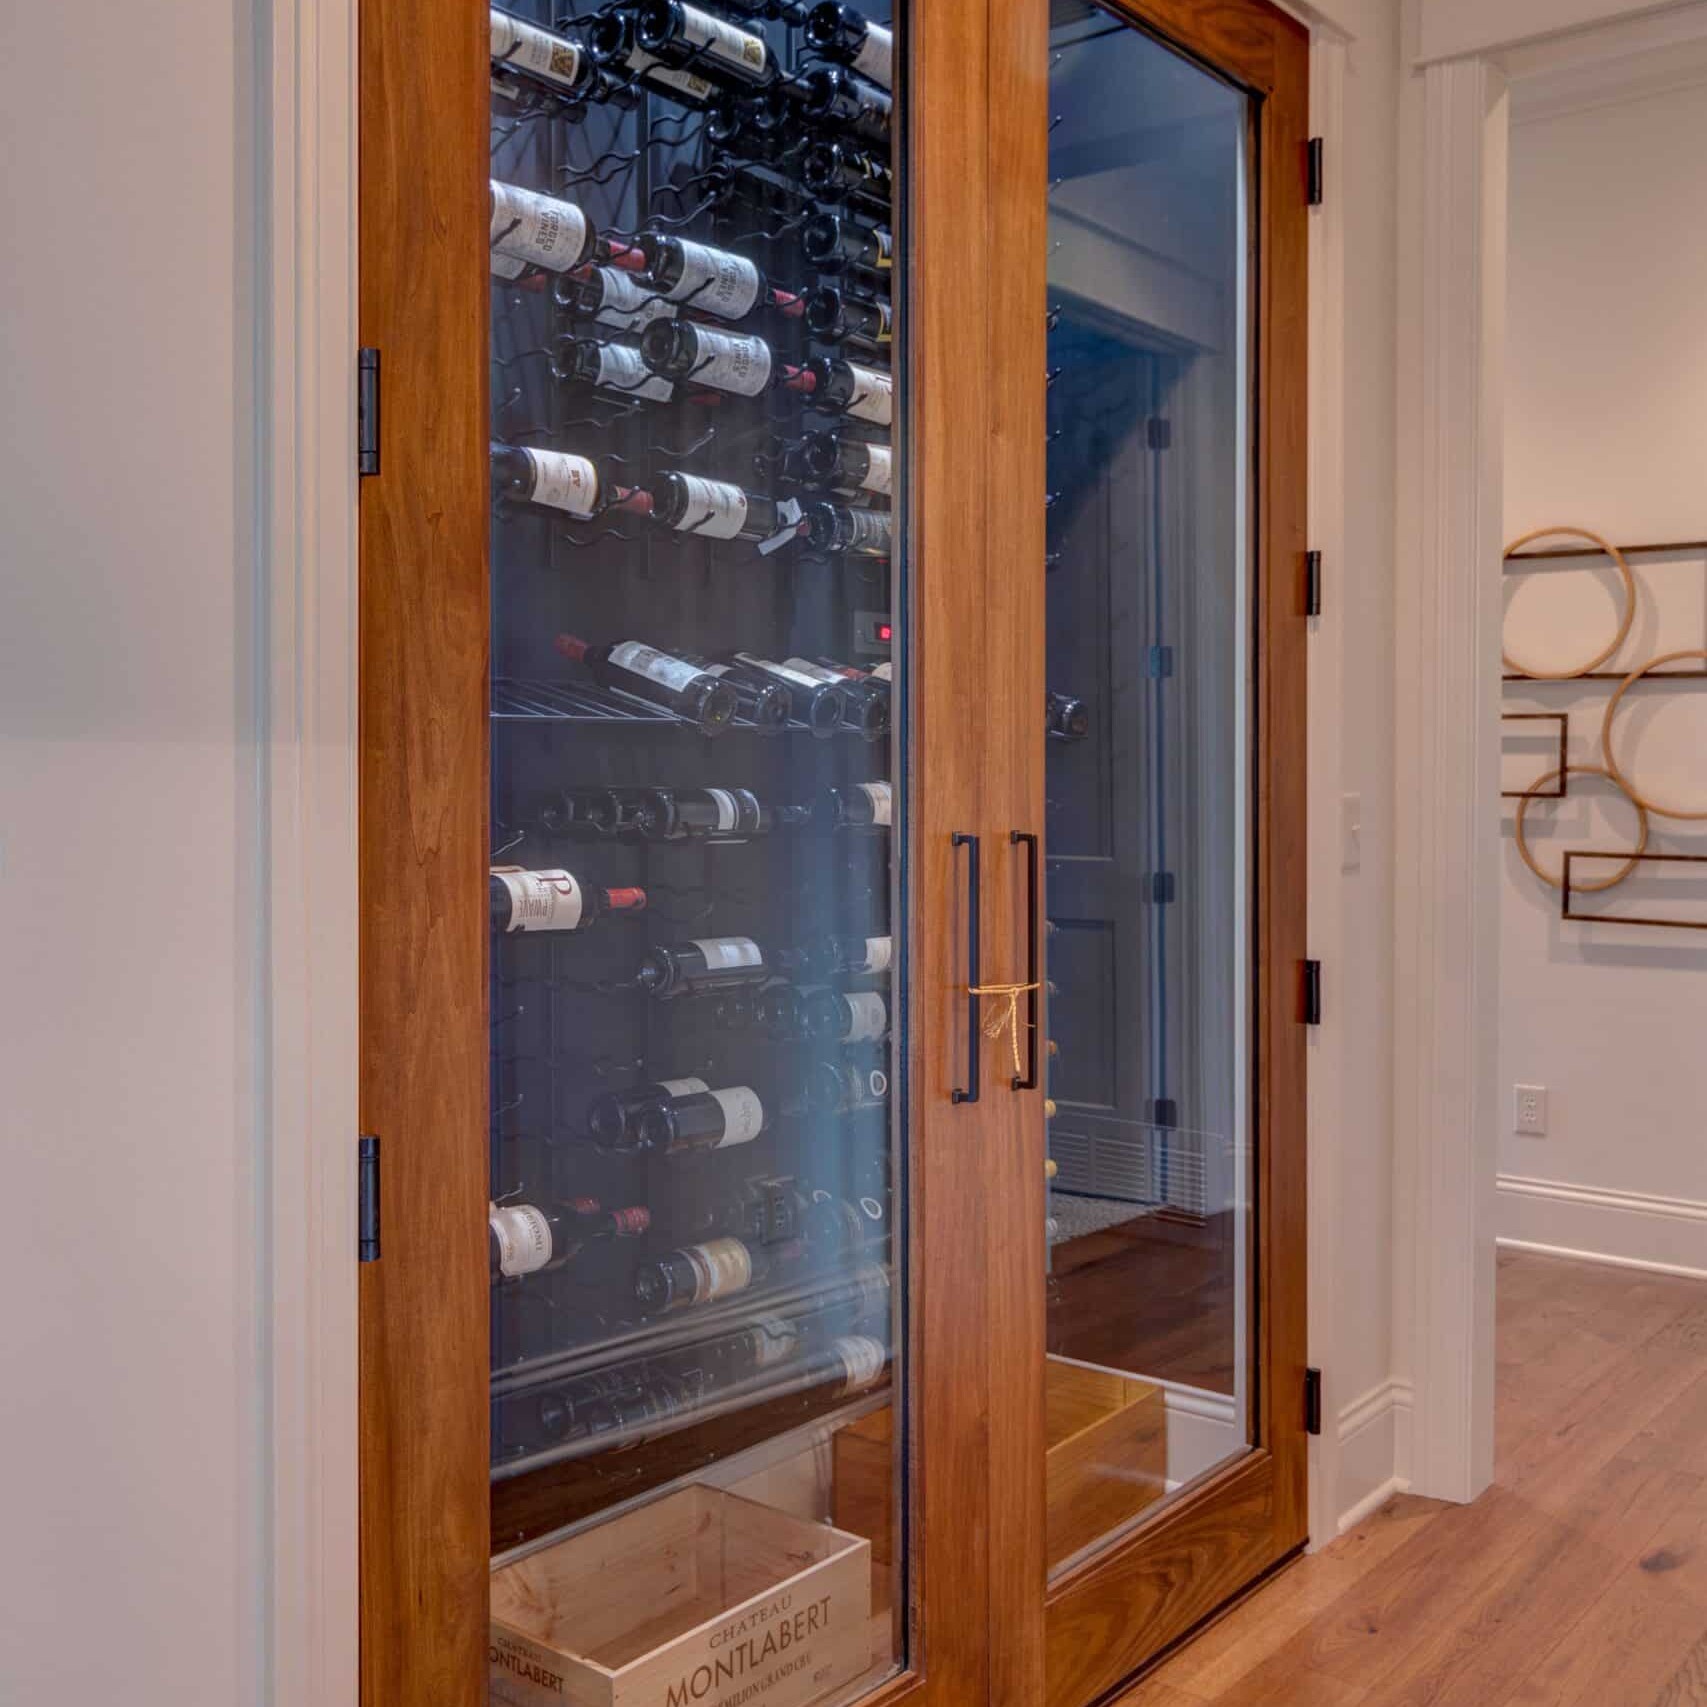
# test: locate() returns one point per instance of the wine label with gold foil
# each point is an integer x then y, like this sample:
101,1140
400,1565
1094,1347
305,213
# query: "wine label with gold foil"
527,47
724,41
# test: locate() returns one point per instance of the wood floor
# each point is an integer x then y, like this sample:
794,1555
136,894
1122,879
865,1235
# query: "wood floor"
1580,1577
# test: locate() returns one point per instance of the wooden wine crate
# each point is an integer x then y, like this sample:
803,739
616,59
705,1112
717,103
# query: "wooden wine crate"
696,1600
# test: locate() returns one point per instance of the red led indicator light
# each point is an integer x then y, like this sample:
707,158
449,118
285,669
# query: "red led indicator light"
885,631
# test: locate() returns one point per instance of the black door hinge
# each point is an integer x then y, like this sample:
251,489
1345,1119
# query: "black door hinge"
367,411
1312,992
1312,1401
1314,190
1312,583
1159,432
367,1200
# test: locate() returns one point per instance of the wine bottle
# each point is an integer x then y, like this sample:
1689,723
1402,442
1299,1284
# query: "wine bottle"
839,387
845,1016
836,316
613,1120
744,126
819,703
877,679
587,814
561,66
703,1273
701,1120
764,1343
840,32
837,171
843,528
717,509
844,463
711,963
773,11
642,671
555,479
852,1364
712,281
837,1231
539,230
688,37
738,362
864,806
862,708
763,1211
524,1238
1066,718
708,814
839,956
554,900
831,97
608,366
834,1087
611,41
834,244
613,298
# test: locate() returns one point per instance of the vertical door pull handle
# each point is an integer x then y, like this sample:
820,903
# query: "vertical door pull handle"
1033,977
974,967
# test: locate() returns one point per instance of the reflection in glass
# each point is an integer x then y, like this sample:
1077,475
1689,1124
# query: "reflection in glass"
1149,727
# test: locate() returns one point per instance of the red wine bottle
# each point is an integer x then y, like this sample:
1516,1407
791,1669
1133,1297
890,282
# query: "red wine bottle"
738,362
708,814
835,1087
613,1120
862,709
611,41
703,1273
845,1016
530,229
718,509
643,672
688,37
834,244
587,814
766,706
525,1238
818,701
851,1364
562,67
842,528
762,1211
712,281
702,1120
555,479
864,806
840,387
554,900
608,366
840,956
711,963
1065,718
838,171
841,32
836,316
831,97
844,463
877,678
620,300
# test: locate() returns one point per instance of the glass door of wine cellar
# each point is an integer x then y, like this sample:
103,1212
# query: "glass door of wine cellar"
660,912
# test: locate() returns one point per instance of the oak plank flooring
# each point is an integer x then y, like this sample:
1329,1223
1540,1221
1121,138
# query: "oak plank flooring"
1579,1578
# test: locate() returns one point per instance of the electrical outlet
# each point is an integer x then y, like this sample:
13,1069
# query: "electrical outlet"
1529,1110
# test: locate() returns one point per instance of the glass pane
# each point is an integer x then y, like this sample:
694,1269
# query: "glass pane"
698,784
1147,819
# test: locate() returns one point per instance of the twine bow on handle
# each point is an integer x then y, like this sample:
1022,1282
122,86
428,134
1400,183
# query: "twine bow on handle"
1006,1018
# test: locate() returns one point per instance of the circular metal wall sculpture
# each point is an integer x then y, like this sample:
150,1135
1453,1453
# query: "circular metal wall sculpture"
1559,775
1625,621
1614,769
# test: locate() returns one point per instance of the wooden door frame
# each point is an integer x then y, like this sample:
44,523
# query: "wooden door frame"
1113,1614
423,774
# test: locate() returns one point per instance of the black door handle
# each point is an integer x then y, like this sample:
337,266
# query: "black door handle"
974,966
1033,996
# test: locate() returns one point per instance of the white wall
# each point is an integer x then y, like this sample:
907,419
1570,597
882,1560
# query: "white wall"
1607,370
131,1432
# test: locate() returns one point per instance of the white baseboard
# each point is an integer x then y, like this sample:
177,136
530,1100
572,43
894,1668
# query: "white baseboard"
1667,1235
1374,1451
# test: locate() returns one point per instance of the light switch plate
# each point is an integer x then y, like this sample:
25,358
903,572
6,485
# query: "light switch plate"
1351,832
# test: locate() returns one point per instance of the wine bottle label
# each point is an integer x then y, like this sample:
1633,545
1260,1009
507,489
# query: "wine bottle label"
868,532
731,361
873,396
720,1266
563,481
813,675
629,304
714,508
524,1239
621,369
541,900
878,950
788,514
529,48
728,809
655,666
863,1360
726,953
722,284
773,1339
881,797
644,64
722,40
787,671
885,672
876,56
683,1087
743,1115
868,1017
537,228
879,473
507,266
